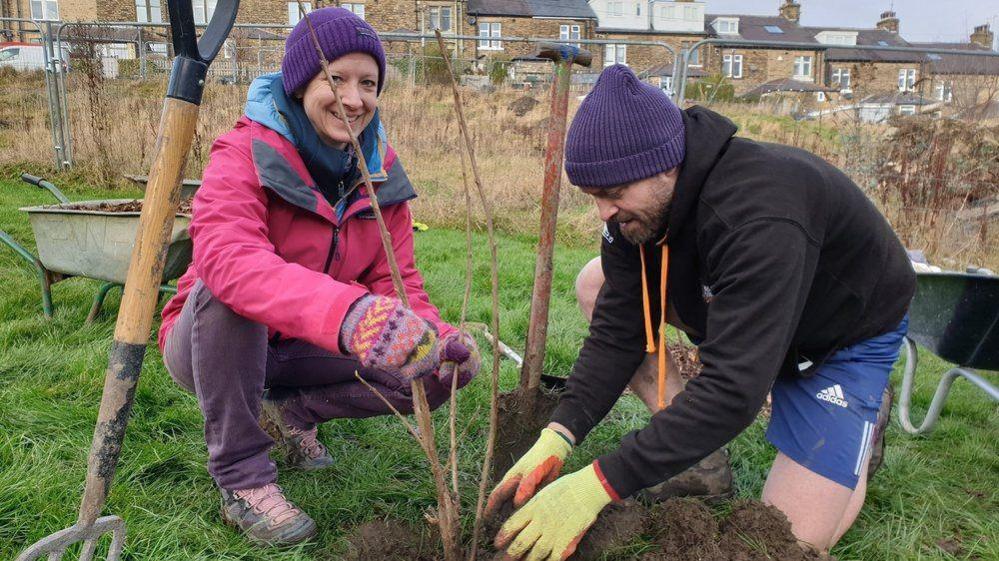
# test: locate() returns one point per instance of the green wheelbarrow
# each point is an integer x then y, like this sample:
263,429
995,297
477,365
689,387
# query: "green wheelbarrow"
956,317
86,239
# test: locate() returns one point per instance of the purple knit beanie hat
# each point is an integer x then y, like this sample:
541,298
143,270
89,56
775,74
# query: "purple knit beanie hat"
625,130
340,32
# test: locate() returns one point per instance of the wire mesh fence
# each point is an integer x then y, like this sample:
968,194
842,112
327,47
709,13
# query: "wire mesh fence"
916,128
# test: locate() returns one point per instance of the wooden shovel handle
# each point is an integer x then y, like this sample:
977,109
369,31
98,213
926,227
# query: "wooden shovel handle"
138,303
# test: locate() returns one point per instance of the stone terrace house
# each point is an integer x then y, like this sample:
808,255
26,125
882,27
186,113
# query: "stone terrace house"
561,20
857,73
678,23
748,68
969,85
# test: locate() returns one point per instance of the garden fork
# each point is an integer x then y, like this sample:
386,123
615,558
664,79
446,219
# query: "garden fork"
138,303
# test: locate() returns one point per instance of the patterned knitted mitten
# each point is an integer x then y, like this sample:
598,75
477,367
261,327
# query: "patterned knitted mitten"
383,334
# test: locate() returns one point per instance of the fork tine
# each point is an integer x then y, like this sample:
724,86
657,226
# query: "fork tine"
87,553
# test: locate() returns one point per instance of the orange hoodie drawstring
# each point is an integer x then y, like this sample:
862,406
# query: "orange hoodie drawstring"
650,344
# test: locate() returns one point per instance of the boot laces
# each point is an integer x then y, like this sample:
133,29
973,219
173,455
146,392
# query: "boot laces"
269,501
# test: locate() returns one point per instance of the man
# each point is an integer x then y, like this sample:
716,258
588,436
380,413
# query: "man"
779,268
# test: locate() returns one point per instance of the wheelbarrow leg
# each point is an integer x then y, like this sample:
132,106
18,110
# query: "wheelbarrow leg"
95,309
939,397
45,279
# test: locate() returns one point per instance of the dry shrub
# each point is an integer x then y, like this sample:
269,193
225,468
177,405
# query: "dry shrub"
920,173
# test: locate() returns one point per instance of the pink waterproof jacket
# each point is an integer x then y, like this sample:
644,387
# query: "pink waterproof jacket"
270,246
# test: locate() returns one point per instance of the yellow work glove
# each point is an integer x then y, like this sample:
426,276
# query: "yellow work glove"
551,525
535,469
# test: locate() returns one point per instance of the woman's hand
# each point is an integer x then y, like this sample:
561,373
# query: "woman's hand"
458,355
384,334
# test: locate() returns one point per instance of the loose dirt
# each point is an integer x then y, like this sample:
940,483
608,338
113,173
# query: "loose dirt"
123,207
520,421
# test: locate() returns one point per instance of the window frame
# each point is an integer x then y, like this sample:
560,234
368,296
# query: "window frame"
620,54
803,62
436,12
293,9
731,60
144,12
492,29
906,79
353,6
837,75
44,6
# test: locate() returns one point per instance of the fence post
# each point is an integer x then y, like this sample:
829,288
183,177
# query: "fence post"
142,56
54,82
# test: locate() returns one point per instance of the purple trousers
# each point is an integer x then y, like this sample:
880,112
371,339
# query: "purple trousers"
227,361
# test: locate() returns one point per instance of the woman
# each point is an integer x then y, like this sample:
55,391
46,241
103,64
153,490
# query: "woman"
289,292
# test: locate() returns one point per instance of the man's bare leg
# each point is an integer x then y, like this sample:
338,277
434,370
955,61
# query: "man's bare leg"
645,382
819,509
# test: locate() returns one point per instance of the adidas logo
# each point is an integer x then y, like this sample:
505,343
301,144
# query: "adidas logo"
833,394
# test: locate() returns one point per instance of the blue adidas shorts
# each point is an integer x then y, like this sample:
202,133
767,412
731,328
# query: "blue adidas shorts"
826,422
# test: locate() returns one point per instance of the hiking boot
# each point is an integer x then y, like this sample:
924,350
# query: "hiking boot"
880,426
709,479
266,516
300,447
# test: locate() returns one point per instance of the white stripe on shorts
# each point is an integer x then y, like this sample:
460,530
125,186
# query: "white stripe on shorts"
865,443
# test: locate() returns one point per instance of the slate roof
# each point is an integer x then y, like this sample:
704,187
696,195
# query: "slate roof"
944,63
786,85
667,70
869,37
754,28
898,98
565,9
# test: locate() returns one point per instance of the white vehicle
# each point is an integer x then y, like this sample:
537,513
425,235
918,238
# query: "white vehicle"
26,56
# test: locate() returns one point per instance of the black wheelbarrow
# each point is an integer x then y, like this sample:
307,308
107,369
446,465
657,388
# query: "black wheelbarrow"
956,317
83,239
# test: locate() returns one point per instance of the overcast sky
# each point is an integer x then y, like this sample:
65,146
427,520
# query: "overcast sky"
921,20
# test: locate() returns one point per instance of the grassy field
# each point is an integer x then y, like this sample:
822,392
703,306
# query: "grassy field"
935,493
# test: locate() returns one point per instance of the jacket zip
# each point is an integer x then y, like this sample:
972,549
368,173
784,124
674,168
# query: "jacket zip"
333,247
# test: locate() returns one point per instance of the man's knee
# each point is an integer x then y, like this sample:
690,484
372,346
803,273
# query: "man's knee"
588,283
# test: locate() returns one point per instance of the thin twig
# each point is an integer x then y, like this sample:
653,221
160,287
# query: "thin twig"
409,427
464,431
448,515
494,391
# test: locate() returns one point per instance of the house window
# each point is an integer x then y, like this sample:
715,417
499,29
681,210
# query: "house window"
667,85
148,11
294,13
906,79
567,33
690,13
820,96
723,26
841,78
945,90
803,67
615,8
638,8
440,18
732,66
906,109
355,7
490,29
44,9
694,56
615,54
773,29
205,9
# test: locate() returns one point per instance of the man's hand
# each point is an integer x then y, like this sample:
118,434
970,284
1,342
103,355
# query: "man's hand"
383,334
458,355
535,469
551,525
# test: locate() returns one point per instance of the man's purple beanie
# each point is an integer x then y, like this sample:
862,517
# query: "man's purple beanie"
625,130
340,32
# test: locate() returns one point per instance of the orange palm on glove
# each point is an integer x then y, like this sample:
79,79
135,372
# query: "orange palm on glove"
541,465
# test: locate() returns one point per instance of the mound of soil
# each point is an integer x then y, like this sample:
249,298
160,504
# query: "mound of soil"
523,105
125,206
619,525
686,530
391,540
520,421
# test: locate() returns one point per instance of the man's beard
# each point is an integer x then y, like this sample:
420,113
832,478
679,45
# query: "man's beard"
647,224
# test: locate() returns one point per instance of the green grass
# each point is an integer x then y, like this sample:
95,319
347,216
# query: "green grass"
932,488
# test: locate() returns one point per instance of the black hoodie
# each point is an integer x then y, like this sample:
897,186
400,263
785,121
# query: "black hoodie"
776,257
